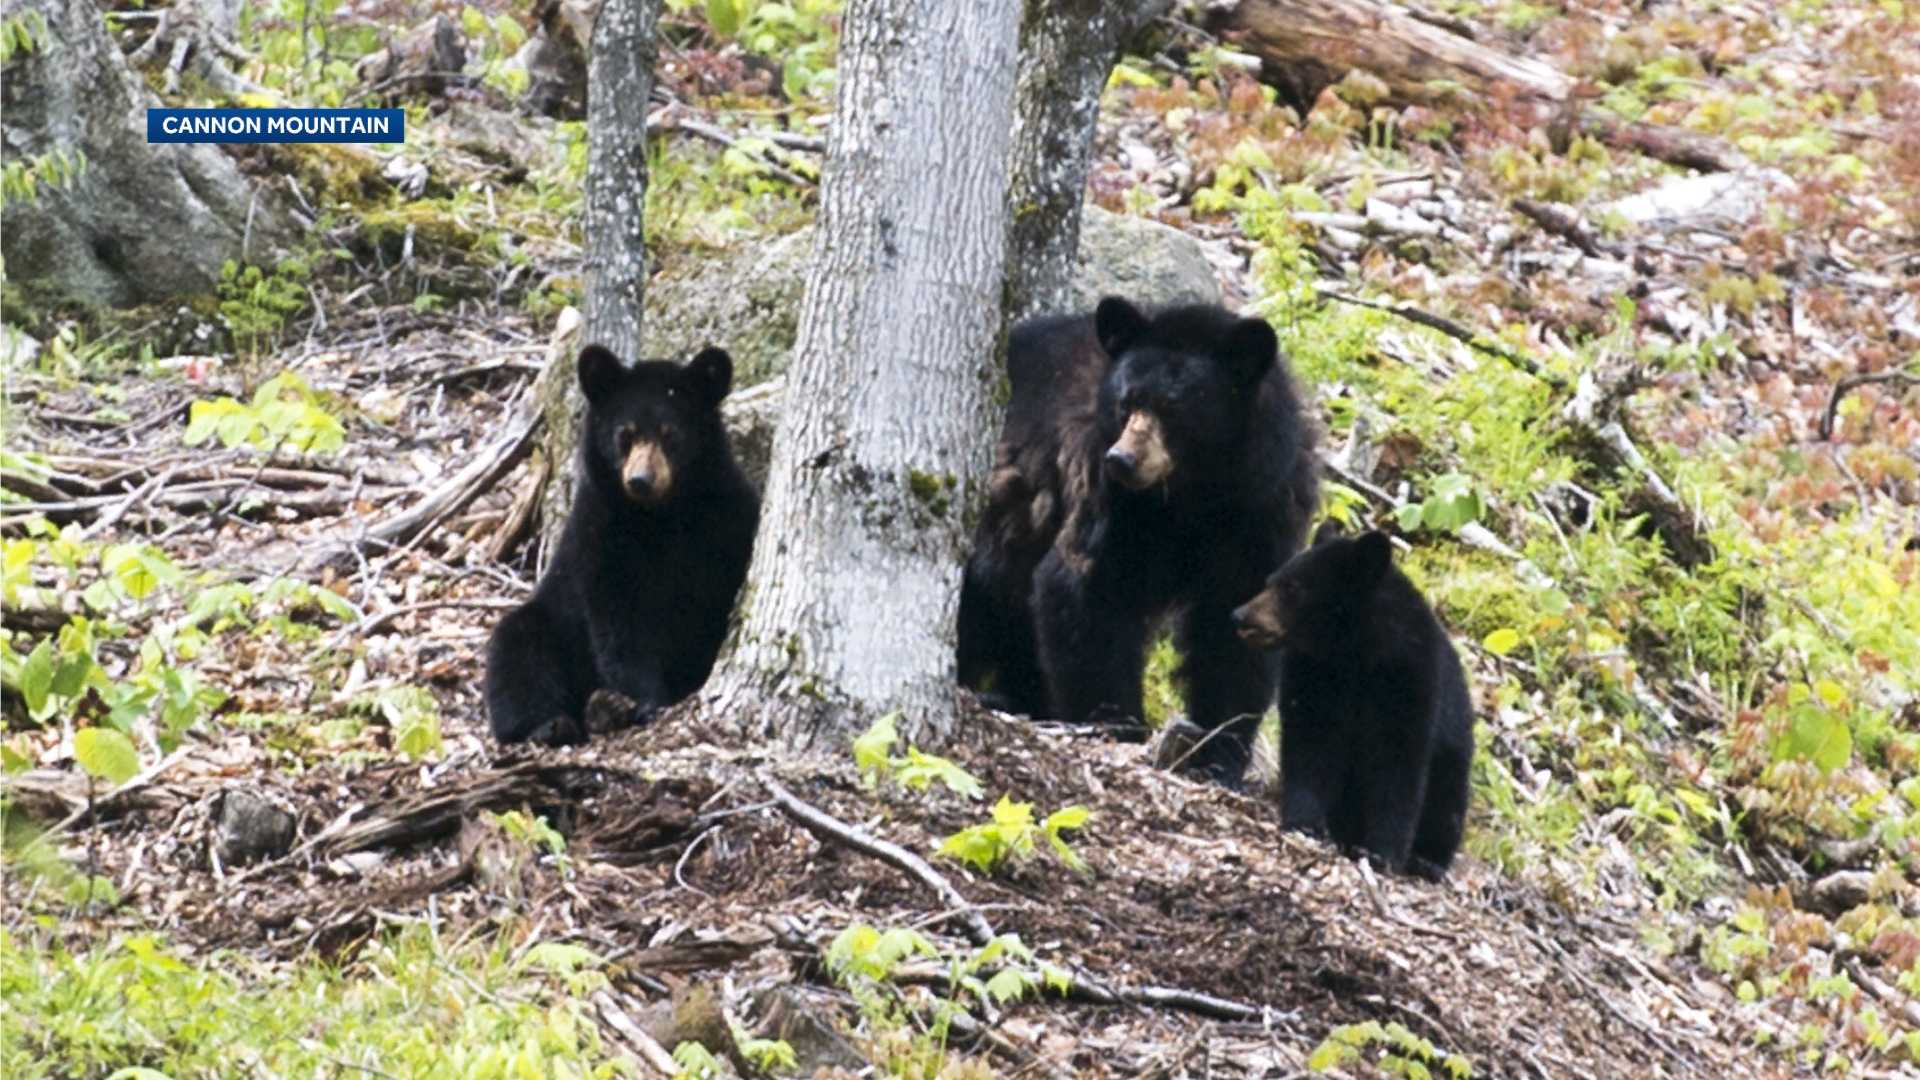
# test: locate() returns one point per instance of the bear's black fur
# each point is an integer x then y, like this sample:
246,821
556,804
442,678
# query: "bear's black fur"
1150,466
1376,725
640,588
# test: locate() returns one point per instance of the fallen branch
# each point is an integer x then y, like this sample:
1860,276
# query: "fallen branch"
1305,46
826,826
459,490
1455,331
1853,382
1084,987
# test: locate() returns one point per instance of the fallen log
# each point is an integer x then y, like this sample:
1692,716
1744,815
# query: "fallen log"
1305,46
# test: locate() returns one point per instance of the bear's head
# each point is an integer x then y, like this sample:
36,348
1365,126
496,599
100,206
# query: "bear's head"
1312,602
654,426
1178,390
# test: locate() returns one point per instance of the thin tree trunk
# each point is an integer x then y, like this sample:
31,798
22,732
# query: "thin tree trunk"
848,610
619,80
1067,50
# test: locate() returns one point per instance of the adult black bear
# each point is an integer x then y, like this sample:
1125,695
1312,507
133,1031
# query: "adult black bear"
637,597
1376,726
1150,466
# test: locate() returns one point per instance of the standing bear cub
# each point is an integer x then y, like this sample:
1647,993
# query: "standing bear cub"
1151,466
638,594
1376,727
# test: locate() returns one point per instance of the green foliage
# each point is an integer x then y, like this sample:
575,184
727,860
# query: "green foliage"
413,715
917,771
1391,1048
1014,834
283,413
22,181
21,33
256,305
403,1006
697,1062
307,50
106,754
1453,506
801,35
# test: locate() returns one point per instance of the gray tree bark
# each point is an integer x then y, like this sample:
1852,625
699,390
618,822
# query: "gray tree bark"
143,223
849,604
620,78
1067,50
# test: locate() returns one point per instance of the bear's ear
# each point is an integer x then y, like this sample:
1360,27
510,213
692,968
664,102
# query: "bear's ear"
1118,324
712,374
1250,350
1372,555
1329,530
600,372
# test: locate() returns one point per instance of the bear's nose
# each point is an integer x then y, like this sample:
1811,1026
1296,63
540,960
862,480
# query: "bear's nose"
1121,463
640,484
1240,617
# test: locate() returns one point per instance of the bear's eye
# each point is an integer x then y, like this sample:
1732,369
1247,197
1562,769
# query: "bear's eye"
666,431
624,438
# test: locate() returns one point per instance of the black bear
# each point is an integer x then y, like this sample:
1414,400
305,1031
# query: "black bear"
637,597
1376,726
1150,466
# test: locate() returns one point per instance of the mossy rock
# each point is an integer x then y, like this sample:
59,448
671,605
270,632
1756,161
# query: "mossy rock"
746,298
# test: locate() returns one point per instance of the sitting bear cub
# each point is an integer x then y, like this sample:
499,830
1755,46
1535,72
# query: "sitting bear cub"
637,597
1152,466
1376,727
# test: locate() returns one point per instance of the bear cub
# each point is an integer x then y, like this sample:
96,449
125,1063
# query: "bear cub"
1152,466
642,583
1376,725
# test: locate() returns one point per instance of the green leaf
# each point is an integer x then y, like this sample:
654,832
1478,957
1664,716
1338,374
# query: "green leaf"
871,749
558,958
1820,737
920,770
36,678
106,753
724,16
1009,984
1502,641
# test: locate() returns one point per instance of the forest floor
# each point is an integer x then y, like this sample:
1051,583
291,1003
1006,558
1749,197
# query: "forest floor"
1676,546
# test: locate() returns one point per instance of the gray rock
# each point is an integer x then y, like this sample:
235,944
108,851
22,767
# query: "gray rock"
747,298
250,826
141,222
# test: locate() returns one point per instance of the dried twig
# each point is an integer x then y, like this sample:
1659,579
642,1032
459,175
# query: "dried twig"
1455,331
825,825
1853,382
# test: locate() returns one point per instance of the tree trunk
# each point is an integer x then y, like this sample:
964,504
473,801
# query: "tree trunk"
620,79
141,223
1307,45
848,609
1067,50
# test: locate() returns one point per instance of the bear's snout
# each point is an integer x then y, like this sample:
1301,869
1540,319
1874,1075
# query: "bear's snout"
1140,459
1258,622
646,475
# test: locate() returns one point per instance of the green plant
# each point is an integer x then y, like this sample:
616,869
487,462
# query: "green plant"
284,412
256,305
917,771
1014,834
1389,1047
1453,505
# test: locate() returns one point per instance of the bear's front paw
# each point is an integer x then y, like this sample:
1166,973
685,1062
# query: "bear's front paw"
561,730
610,710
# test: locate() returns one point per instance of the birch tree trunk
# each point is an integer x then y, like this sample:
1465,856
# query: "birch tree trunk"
620,77
1067,50
848,610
